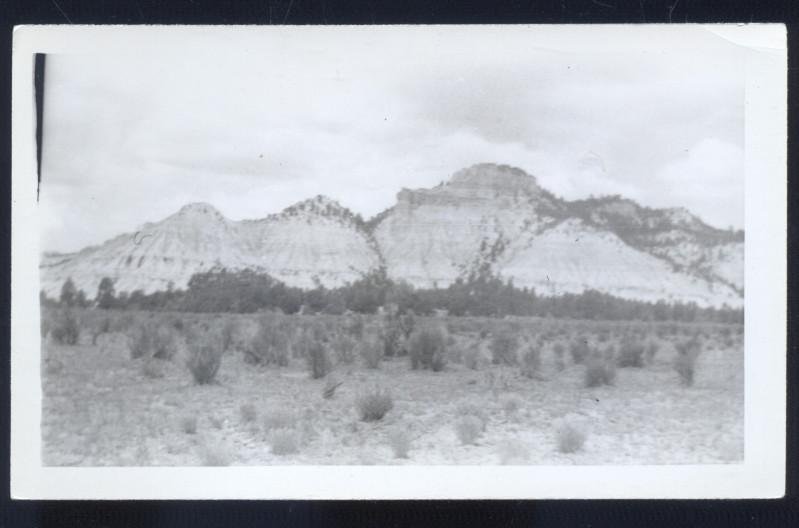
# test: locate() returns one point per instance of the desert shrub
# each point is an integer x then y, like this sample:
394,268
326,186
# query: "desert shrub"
248,412
400,441
531,362
205,356
188,424
284,441
373,405
631,353
65,329
468,429
560,351
103,326
579,350
651,351
685,361
269,345
318,360
140,341
344,348
152,369
279,419
215,455
513,452
570,438
472,409
391,335
512,404
503,348
330,387
471,357
600,370
427,349
164,342
371,352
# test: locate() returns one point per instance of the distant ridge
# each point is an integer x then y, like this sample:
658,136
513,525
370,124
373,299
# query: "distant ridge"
486,216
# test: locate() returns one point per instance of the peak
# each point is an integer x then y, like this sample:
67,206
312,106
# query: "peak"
319,205
199,208
493,175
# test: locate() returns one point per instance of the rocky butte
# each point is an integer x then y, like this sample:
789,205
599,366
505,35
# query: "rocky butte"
487,216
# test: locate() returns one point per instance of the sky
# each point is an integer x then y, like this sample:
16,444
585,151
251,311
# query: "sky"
257,120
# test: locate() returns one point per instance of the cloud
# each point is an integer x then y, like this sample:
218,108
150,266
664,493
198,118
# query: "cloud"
256,123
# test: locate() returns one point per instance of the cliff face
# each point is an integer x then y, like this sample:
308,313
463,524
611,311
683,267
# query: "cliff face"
487,216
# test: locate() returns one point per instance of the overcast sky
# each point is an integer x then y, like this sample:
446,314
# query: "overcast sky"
255,123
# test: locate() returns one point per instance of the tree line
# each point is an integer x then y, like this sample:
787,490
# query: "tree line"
480,294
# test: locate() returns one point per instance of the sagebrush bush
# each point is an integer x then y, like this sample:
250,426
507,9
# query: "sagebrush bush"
651,351
65,329
468,428
475,410
152,369
318,360
269,345
205,356
248,412
371,352
513,451
400,441
373,405
504,346
344,348
427,349
279,419
685,361
284,441
215,455
140,341
599,370
188,424
164,341
512,404
570,438
560,351
531,362
631,353
579,350
471,357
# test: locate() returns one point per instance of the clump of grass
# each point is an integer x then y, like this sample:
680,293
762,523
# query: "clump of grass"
215,455
164,341
373,405
65,329
472,409
531,362
468,429
513,452
600,370
504,346
279,419
205,356
512,404
579,350
344,347
371,352
471,357
152,369
188,424
427,349
685,362
269,345
631,354
400,441
248,412
570,438
284,441
330,387
651,351
560,351
140,341
318,360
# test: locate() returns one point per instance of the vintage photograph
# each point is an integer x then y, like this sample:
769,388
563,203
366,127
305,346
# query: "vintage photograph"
426,258
400,246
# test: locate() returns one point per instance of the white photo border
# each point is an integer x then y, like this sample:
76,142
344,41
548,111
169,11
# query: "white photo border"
762,475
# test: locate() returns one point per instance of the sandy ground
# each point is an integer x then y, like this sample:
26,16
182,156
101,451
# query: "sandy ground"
100,409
